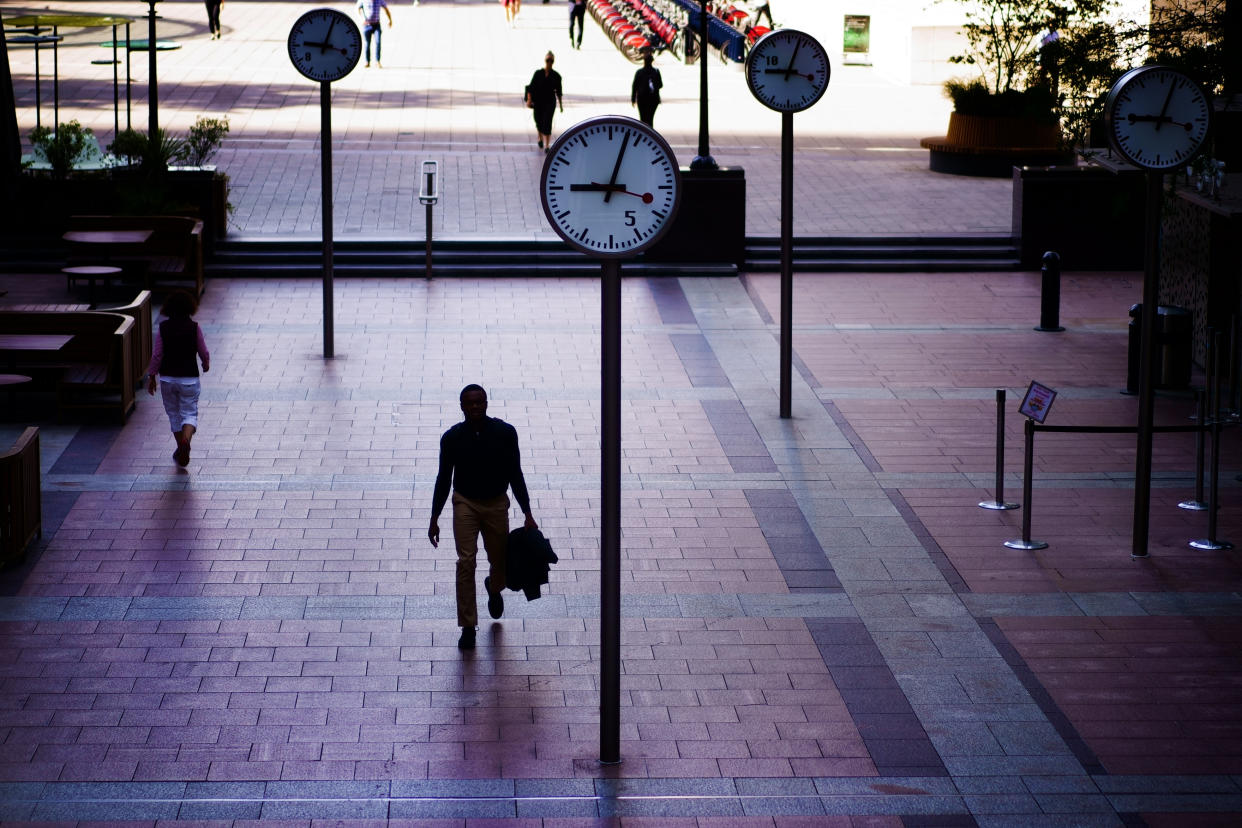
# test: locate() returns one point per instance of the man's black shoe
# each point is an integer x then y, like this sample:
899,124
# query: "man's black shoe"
466,642
495,601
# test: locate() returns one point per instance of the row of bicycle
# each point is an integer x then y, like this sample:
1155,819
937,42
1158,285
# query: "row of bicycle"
639,26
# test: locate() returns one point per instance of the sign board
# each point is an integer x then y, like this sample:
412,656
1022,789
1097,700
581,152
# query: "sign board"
1037,402
856,41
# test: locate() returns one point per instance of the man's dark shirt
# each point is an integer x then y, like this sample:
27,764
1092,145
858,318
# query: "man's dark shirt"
480,465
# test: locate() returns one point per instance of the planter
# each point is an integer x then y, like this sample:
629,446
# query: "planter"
1091,216
43,205
992,145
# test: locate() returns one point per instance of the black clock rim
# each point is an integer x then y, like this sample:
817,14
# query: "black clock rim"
599,120
750,57
341,16
1110,121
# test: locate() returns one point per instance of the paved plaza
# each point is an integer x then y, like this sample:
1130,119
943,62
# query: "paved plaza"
820,625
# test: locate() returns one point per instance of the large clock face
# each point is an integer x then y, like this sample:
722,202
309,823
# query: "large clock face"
1157,117
610,186
787,70
324,44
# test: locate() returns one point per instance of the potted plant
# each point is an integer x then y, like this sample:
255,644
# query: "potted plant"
68,145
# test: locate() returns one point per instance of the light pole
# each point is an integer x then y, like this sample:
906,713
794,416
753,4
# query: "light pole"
704,160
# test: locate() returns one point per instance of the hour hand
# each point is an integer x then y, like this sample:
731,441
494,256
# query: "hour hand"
595,188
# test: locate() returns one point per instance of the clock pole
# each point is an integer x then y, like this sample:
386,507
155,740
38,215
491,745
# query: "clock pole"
610,514
325,181
787,152
1147,390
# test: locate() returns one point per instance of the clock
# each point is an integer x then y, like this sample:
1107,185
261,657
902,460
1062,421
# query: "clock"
787,70
610,186
324,44
1156,117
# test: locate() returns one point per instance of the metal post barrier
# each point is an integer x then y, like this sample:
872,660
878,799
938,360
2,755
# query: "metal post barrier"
1211,542
1233,367
1028,470
1197,505
1050,294
999,503
429,194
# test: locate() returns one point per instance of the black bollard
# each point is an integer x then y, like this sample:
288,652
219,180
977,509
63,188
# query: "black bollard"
1050,294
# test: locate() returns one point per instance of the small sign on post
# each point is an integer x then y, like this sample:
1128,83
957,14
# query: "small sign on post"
1038,400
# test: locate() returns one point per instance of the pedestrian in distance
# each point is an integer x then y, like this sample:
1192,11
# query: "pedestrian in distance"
178,347
543,95
369,11
577,14
512,7
645,90
480,461
213,17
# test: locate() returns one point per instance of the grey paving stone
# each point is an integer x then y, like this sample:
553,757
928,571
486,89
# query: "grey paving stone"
31,609
1028,739
775,786
113,790
1107,604
936,606
1087,803
554,787
1163,803
225,790
16,810
706,806
157,609
964,739
273,607
220,809
95,609
782,806
336,789
990,785
96,811
970,644
326,809
449,788
1007,803
1048,821
557,808
1163,784
932,690
895,804
1062,765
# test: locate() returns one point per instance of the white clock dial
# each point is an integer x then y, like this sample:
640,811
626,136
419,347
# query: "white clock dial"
1157,117
610,186
324,44
787,70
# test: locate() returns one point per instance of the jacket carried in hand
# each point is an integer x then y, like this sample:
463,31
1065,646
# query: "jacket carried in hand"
526,561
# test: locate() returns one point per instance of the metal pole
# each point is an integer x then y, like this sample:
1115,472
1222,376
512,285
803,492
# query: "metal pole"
1050,294
999,503
55,78
1147,391
704,160
38,83
325,177
153,91
1233,367
427,265
1197,505
116,87
129,115
786,265
1028,473
1211,542
610,515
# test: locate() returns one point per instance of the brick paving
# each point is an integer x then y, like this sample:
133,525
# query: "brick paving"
820,626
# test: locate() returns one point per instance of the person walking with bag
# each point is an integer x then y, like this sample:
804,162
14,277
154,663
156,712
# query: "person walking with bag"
645,91
543,95
178,346
480,461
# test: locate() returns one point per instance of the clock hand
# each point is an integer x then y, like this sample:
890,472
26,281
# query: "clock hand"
595,187
789,71
323,47
326,45
616,168
786,73
1165,108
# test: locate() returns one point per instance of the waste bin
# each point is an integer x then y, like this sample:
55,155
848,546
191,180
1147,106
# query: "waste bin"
1174,332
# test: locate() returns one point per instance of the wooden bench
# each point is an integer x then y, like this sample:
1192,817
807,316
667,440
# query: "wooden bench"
173,254
21,510
94,371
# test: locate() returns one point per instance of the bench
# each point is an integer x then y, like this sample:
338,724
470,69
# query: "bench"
94,371
174,253
21,511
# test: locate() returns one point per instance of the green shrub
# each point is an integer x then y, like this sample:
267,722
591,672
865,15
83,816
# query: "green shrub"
69,144
205,139
975,98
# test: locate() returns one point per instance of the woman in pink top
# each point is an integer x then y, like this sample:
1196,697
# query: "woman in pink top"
179,345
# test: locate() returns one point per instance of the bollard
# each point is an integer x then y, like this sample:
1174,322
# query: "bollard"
1050,294
429,194
1028,471
1211,542
1197,505
999,503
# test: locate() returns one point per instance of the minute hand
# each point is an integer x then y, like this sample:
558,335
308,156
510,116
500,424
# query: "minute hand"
792,59
616,168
